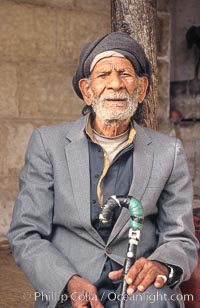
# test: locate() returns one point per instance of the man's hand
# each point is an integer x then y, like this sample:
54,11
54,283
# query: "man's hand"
82,293
142,274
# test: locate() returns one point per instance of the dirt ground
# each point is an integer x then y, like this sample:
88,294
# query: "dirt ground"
15,290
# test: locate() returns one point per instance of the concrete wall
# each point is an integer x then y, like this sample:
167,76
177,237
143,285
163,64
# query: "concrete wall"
39,50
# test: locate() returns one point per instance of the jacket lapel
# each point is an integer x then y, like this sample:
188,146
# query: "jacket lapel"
77,155
78,162
142,166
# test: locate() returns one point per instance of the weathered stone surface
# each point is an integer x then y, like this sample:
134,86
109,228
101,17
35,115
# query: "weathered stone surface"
27,32
189,134
14,140
13,143
163,58
196,202
163,5
163,78
163,35
40,45
188,130
8,193
74,31
8,90
185,97
66,4
97,6
46,92
184,15
163,113
86,5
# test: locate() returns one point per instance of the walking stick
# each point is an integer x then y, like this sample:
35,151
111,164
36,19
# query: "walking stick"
136,224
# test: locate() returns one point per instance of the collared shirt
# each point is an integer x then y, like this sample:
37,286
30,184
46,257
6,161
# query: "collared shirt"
108,179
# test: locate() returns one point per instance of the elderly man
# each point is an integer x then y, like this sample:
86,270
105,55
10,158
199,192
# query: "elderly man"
72,169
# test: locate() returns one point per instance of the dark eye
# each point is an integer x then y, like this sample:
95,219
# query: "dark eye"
102,75
125,74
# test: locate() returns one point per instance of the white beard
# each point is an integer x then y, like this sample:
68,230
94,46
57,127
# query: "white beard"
117,116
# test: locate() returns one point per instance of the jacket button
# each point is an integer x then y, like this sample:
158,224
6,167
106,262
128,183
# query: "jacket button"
108,250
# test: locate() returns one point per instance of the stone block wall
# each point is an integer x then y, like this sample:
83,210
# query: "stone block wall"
39,50
169,47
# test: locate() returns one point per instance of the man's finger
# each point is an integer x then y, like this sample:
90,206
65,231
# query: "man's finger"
116,275
96,305
147,281
160,281
79,305
94,300
140,277
135,270
131,289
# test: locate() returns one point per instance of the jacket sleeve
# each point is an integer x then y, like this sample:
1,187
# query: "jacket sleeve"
30,231
177,244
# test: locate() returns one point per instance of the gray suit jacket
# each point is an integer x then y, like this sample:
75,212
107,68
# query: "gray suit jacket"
51,235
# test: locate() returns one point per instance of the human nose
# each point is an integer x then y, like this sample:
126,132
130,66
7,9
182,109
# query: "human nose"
114,82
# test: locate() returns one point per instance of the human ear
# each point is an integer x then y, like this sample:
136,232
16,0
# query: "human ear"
85,90
142,88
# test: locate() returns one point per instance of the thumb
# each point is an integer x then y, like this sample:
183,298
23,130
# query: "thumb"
115,275
96,303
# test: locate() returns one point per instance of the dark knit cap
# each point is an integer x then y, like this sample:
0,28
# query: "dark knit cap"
120,42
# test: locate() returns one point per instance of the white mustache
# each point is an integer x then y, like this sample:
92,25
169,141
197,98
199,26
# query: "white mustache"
115,96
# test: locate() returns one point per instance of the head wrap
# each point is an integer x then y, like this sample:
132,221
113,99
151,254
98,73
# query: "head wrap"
116,41
104,54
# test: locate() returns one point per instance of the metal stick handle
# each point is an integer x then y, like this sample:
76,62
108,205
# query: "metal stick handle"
134,236
136,224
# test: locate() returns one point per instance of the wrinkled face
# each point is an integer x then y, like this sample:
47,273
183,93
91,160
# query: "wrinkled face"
114,74
114,90
114,106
